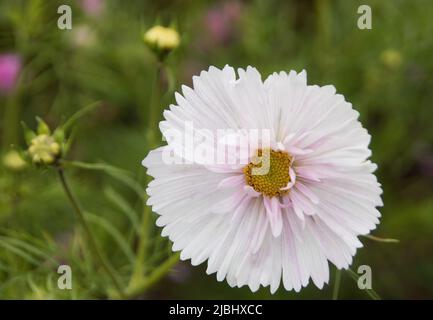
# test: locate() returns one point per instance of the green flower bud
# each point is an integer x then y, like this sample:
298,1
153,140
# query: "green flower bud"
13,161
44,149
391,58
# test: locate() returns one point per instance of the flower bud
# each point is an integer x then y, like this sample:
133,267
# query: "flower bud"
10,68
162,39
44,149
13,161
391,58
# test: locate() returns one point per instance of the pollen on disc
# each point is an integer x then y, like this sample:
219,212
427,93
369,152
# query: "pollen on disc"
269,173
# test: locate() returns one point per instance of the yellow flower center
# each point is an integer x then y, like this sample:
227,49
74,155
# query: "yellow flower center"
268,172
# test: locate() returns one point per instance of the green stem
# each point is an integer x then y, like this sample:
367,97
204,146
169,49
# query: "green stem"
138,273
155,110
91,240
378,239
323,34
11,121
337,284
80,113
145,284
155,101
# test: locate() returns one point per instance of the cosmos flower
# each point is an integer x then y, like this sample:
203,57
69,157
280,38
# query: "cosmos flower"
284,224
93,7
10,67
220,22
83,36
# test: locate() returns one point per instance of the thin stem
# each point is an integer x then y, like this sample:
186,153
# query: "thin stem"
11,121
145,284
378,239
86,228
155,101
324,32
337,284
80,113
138,272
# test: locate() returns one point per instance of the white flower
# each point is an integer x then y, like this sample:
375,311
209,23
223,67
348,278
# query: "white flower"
285,225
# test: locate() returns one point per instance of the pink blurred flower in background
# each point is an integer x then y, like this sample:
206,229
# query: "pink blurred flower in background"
180,273
10,67
92,7
221,20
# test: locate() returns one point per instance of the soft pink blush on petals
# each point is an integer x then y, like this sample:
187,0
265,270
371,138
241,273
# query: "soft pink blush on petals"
273,211
211,214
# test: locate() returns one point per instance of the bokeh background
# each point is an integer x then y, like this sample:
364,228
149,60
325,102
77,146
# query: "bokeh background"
385,72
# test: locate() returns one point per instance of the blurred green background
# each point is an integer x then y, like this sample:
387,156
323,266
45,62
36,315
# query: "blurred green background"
385,72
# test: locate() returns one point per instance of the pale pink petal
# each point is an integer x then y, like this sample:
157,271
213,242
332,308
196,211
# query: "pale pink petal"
273,211
231,182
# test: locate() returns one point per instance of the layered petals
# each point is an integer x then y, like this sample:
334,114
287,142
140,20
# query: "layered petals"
211,212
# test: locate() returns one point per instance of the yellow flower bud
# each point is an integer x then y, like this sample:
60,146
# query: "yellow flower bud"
391,58
13,161
162,38
44,149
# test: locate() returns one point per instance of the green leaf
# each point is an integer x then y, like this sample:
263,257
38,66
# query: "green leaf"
80,113
116,235
29,248
119,174
19,252
42,127
116,198
28,134
59,135
379,239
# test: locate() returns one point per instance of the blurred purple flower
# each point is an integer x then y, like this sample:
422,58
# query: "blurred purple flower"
220,21
10,67
233,10
180,273
92,7
425,164
217,25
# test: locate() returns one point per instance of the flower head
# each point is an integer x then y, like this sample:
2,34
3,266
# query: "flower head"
221,20
162,39
13,161
92,7
83,36
44,149
391,58
10,67
286,186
